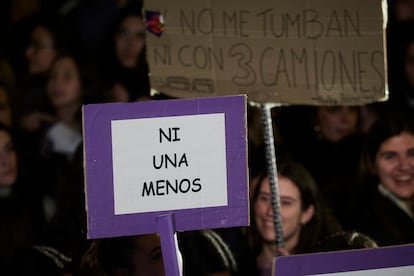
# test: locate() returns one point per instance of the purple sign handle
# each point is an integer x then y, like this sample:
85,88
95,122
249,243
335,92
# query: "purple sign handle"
168,245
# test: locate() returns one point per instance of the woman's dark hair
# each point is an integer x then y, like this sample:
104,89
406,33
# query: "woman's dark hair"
384,128
204,253
62,54
40,260
130,10
321,224
90,82
135,80
106,254
53,26
20,216
65,53
387,126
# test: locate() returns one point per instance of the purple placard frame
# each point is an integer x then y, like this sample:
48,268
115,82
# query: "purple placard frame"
168,244
97,118
344,261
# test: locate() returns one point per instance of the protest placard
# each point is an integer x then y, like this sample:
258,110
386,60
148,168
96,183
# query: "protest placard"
384,261
147,159
318,52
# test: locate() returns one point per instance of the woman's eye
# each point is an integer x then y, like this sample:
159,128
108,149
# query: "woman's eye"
286,202
388,156
264,198
156,255
410,153
123,33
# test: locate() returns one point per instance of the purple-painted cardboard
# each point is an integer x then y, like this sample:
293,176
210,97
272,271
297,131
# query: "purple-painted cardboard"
99,174
343,261
169,244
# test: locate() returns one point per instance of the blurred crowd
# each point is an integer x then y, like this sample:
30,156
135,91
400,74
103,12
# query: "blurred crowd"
345,173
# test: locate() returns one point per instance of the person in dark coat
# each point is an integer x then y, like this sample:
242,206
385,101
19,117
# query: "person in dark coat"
386,209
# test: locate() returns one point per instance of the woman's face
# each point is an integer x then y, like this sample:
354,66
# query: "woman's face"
8,160
40,52
64,85
293,217
147,256
395,165
337,122
130,41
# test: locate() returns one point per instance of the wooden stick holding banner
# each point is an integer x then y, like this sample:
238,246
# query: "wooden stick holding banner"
272,170
168,239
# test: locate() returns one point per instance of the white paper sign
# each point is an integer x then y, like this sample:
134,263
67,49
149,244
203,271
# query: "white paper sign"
169,163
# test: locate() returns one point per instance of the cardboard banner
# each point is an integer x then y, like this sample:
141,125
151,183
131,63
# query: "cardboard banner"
384,261
149,159
315,52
